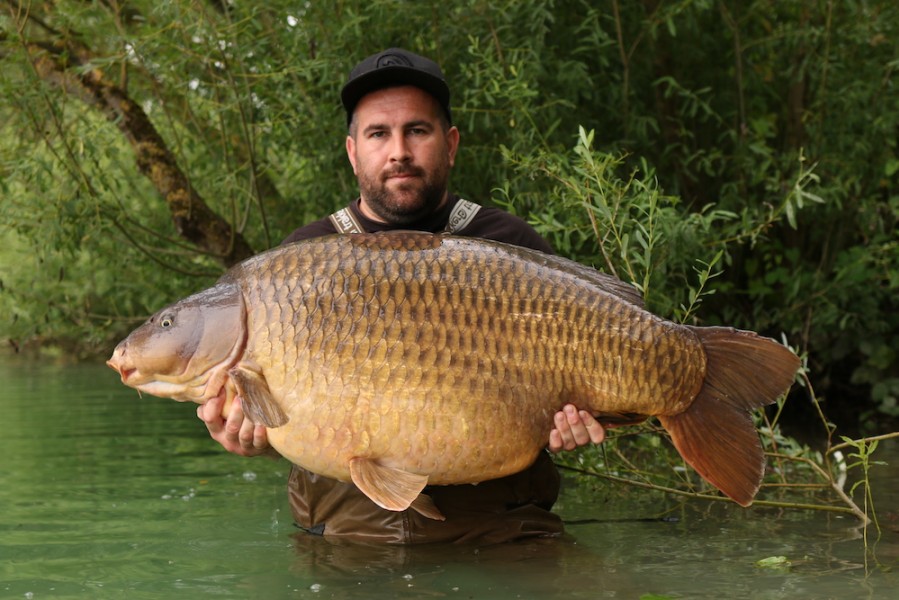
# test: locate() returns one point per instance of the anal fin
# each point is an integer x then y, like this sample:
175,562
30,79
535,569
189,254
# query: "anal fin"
425,506
391,488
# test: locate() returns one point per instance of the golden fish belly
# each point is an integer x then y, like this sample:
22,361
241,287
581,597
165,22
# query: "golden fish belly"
445,357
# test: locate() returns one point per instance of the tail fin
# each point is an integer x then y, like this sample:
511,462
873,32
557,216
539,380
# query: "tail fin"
716,435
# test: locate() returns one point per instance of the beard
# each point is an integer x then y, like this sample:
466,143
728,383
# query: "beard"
408,200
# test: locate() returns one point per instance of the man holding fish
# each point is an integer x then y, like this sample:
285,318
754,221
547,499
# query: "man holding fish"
402,146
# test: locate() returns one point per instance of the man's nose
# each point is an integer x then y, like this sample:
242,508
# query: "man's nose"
399,149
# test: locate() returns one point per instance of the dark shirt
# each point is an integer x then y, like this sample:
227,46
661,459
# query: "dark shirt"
489,223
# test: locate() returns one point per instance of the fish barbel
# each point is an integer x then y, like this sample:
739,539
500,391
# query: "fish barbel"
402,359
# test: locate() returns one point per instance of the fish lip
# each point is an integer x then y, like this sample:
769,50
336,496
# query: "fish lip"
124,372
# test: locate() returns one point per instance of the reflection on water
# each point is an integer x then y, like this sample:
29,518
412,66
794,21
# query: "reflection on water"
107,495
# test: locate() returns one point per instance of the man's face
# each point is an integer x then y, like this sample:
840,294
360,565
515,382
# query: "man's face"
401,154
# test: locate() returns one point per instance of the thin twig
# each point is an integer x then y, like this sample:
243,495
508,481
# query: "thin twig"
699,496
876,438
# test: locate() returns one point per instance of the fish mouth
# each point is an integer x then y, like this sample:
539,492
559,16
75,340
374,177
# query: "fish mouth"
116,363
124,372
130,374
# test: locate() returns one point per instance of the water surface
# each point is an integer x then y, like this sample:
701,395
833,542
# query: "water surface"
107,495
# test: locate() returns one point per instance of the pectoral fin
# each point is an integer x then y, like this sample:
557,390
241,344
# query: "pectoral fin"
258,403
393,489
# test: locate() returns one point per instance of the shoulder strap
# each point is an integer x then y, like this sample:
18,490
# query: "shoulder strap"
345,221
461,215
463,212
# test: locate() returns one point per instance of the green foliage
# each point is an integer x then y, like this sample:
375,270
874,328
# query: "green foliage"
736,161
623,225
778,563
861,459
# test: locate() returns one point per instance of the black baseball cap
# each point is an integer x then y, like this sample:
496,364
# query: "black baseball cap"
394,67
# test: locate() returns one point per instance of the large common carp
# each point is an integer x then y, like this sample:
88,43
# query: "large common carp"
404,359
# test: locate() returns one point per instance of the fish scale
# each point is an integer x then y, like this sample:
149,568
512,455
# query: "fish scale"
404,359
501,350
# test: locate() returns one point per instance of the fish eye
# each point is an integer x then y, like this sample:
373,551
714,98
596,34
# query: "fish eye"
166,322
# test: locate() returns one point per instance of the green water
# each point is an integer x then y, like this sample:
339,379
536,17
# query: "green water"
106,495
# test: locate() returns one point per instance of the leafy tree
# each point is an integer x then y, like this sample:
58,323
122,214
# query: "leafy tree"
736,160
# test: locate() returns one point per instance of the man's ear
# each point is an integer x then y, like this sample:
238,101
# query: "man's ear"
351,151
452,142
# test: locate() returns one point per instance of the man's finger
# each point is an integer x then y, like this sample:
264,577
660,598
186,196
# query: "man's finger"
595,429
247,434
260,438
555,441
210,413
235,419
578,434
562,421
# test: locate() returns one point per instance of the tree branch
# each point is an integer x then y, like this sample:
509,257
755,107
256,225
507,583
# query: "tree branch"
68,67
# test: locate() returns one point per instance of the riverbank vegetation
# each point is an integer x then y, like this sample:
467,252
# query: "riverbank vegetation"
737,161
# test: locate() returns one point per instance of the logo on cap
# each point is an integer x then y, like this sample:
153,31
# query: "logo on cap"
393,60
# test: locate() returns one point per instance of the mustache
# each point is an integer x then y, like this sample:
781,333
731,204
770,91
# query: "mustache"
403,170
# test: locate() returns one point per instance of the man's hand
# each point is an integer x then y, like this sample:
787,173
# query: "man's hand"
574,428
237,434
